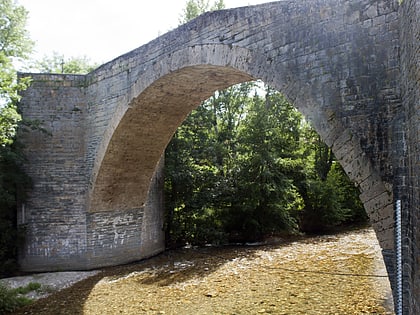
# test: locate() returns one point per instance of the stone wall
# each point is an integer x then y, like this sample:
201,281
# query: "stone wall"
123,236
61,234
55,212
410,86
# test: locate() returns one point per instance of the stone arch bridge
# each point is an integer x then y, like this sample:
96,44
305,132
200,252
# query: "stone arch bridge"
350,66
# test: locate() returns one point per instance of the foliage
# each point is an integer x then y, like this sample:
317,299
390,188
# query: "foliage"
14,39
330,202
31,286
194,8
9,119
13,182
229,169
245,165
12,299
14,44
191,174
59,64
266,197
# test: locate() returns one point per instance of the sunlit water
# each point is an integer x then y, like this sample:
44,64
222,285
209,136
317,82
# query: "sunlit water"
340,274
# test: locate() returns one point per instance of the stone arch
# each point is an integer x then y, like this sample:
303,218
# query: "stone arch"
176,83
172,91
337,61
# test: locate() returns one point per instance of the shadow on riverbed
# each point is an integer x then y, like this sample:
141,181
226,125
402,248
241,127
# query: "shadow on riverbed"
127,289
168,268
184,265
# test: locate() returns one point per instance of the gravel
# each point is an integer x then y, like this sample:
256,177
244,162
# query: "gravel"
50,282
340,274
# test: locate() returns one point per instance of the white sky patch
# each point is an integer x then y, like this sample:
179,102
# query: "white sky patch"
102,29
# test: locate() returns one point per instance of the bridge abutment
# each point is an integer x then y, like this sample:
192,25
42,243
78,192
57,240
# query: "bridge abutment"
54,214
61,234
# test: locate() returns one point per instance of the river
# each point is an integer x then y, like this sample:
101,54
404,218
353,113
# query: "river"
334,274
340,274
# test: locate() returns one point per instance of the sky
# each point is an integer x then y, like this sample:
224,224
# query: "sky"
102,30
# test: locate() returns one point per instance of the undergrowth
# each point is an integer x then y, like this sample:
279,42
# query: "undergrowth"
11,299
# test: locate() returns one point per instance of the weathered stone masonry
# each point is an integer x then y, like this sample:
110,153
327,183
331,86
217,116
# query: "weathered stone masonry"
61,233
97,200
410,90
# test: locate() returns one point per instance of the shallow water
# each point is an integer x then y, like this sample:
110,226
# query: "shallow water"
339,274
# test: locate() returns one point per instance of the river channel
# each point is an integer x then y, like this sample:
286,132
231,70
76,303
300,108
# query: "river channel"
334,274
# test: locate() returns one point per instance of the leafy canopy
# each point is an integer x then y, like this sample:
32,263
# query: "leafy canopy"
14,38
57,63
14,44
194,8
245,165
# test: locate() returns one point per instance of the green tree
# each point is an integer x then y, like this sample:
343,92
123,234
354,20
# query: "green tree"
266,199
194,8
243,166
57,63
14,38
189,174
323,158
14,44
231,166
330,197
190,169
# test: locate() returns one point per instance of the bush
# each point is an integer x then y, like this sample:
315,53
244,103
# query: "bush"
11,299
31,286
331,202
13,183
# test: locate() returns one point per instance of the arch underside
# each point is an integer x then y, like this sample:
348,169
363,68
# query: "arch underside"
150,120
147,127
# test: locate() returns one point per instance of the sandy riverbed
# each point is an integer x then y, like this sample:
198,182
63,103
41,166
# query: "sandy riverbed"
340,274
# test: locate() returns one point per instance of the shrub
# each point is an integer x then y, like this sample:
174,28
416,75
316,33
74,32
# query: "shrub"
10,299
331,202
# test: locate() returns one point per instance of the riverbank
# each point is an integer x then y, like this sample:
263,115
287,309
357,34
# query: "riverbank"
334,274
49,282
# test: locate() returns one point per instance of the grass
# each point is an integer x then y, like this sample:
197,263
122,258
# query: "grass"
11,299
